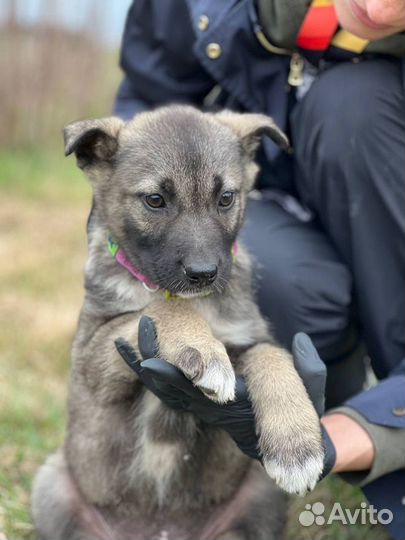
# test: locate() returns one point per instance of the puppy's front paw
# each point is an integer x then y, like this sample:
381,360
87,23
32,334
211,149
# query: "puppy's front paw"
217,381
293,457
211,371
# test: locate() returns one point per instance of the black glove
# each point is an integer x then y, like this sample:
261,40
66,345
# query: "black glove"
236,417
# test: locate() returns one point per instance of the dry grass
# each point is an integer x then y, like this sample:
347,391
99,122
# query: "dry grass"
48,78
42,248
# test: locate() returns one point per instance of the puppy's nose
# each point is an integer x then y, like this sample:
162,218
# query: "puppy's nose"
201,274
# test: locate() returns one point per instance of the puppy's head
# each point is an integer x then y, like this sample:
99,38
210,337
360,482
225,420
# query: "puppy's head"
171,188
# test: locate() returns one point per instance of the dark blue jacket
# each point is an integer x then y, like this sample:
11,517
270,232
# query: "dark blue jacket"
165,57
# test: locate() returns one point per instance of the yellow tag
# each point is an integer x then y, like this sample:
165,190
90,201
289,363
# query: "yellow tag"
322,3
349,42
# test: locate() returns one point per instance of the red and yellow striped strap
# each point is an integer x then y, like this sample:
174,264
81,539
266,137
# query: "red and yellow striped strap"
319,30
319,26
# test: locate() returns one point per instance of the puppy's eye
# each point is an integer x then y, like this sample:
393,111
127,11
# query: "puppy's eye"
155,201
227,198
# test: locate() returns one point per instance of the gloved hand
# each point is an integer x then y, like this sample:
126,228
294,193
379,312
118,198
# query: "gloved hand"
236,417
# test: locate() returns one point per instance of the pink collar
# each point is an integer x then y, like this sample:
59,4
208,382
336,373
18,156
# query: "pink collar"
126,263
121,259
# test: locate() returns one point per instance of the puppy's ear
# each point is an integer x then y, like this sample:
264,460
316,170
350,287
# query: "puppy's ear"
92,140
249,127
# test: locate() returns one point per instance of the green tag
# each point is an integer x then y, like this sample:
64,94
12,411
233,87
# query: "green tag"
168,295
112,246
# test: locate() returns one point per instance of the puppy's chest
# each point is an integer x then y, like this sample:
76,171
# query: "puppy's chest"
236,333
233,330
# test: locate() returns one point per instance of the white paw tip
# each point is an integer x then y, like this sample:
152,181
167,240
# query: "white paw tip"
296,479
218,383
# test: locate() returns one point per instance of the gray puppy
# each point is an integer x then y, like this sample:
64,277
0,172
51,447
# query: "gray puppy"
170,190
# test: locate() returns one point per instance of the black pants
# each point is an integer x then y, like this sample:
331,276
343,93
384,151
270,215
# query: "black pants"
340,278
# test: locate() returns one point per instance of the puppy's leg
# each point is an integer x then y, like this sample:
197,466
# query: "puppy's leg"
290,438
257,511
186,341
58,508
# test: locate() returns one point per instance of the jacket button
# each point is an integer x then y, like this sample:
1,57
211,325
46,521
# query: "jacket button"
400,411
213,50
203,23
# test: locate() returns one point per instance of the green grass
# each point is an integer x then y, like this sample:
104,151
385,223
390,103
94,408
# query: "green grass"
41,175
45,201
